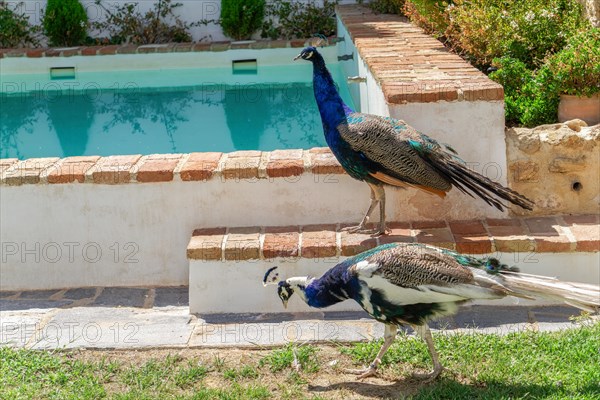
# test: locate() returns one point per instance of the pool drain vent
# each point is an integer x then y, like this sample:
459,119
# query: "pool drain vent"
62,73
244,67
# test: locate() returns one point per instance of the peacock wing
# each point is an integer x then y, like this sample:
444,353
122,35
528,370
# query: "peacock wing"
413,266
396,152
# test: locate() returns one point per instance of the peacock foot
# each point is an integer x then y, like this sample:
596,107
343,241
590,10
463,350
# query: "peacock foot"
428,376
371,370
365,230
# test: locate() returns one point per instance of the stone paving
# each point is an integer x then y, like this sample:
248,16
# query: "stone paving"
132,318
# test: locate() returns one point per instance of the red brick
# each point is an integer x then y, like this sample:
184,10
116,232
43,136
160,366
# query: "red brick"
71,169
6,163
244,154
553,244
241,167
69,52
15,52
281,244
473,244
355,243
240,45
200,166
209,231
502,222
319,241
259,45
285,155
285,168
243,244
52,53
114,169
108,50
587,236
467,228
437,237
278,44
127,49
183,47
398,232
90,51
27,171
205,247
298,43
511,230
146,49
220,46
35,53
168,48
428,224
325,163
585,219
157,169
201,47
282,229
542,225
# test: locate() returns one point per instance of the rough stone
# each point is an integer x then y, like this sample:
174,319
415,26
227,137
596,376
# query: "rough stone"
122,297
109,327
563,175
525,171
171,296
564,165
528,141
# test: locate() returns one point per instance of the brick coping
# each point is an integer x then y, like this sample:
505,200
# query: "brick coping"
156,48
561,234
411,66
125,169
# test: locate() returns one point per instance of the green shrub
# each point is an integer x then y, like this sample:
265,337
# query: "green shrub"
387,6
292,19
528,31
65,22
127,25
241,18
16,30
431,15
576,68
530,96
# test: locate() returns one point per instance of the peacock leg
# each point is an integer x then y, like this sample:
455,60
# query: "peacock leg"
425,333
375,198
380,196
389,335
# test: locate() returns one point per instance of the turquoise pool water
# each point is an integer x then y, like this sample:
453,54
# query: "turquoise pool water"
170,111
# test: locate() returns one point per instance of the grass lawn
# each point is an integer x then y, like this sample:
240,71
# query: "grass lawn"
529,365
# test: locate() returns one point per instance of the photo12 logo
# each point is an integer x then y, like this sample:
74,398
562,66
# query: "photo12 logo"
71,252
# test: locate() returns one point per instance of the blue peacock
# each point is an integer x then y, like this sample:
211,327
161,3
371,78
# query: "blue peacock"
400,284
385,151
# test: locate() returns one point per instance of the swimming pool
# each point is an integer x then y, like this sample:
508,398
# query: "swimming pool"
161,111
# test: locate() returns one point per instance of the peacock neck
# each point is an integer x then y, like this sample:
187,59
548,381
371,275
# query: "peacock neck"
331,106
333,287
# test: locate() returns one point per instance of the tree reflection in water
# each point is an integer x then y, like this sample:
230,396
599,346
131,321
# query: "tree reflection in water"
201,118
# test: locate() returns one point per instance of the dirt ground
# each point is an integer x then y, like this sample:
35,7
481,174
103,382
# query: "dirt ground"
330,382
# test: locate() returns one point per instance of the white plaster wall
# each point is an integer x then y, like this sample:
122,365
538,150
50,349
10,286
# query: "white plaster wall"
236,287
15,66
154,222
190,11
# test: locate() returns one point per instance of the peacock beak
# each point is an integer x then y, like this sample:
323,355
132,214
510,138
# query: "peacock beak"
284,303
299,56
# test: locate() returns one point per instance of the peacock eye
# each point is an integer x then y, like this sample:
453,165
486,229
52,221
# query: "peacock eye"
309,55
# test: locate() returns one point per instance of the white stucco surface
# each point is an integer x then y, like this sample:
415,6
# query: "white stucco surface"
50,234
236,287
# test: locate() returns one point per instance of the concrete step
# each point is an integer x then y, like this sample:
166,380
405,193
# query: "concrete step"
227,264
